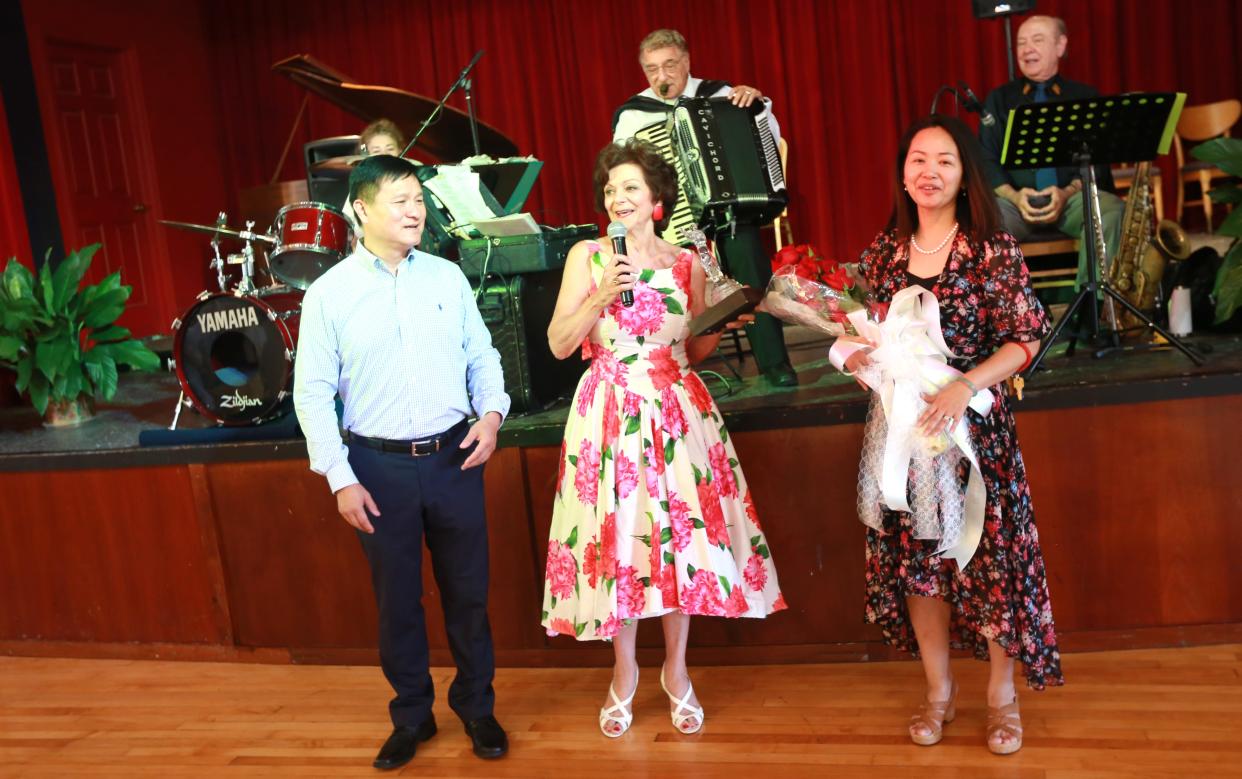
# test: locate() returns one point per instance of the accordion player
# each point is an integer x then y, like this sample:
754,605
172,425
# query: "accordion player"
727,161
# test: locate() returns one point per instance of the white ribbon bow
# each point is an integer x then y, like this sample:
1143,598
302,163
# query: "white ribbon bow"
910,358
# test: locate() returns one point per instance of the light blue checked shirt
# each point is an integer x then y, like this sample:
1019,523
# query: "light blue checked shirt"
407,352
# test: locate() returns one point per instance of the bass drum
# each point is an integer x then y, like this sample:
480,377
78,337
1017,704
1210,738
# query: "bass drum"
234,355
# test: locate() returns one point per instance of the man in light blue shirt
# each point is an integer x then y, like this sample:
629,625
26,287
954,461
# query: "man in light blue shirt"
396,333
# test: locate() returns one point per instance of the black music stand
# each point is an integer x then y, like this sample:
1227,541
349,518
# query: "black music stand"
1112,128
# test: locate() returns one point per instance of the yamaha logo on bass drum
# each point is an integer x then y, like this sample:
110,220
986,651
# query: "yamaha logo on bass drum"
234,318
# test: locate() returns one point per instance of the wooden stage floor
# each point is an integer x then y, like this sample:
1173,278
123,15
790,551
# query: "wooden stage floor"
1161,712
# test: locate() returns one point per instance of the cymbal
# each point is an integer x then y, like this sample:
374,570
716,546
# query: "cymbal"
226,232
338,164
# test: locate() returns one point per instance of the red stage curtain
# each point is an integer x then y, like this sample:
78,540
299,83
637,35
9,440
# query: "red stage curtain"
845,76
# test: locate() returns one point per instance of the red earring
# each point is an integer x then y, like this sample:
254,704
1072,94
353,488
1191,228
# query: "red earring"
657,213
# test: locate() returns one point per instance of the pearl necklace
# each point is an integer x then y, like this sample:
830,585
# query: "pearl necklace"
915,243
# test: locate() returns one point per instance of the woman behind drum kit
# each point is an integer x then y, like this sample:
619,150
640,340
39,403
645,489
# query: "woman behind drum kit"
379,137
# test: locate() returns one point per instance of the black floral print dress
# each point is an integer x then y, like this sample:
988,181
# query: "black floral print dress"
985,301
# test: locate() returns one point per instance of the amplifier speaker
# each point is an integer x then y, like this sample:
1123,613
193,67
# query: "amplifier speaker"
510,254
328,190
517,310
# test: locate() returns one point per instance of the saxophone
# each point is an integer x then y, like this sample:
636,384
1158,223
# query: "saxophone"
1141,257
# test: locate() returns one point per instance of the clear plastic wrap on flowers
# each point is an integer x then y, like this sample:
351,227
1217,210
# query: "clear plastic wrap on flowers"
793,298
903,469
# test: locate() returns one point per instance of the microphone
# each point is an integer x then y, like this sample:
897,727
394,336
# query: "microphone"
971,103
616,231
466,70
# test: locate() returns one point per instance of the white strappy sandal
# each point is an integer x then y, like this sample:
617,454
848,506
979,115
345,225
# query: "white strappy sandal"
683,711
620,712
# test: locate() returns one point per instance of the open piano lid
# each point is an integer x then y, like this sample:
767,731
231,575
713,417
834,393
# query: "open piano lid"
447,139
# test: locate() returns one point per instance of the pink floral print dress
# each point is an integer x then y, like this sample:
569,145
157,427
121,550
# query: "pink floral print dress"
652,512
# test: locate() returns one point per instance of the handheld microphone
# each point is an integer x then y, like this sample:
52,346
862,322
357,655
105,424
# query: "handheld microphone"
616,231
971,103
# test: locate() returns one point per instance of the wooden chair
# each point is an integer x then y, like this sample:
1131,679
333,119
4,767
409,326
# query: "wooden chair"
1052,259
1201,123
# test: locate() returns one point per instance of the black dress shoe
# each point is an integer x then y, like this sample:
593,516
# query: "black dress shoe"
488,737
781,375
400,747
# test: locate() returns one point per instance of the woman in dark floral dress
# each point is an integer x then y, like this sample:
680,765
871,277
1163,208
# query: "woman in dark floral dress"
945,237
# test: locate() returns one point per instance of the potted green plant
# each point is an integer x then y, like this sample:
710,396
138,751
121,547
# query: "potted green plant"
1226,154
60,339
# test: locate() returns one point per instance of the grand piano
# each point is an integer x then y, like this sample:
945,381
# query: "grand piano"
446,140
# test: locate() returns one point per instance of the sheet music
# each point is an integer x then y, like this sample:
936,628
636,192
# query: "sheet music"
457,187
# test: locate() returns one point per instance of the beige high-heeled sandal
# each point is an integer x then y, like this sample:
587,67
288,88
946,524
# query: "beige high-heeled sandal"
620,712
683,711
933,715
1005,720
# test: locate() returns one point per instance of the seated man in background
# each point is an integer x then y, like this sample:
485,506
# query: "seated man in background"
1035,200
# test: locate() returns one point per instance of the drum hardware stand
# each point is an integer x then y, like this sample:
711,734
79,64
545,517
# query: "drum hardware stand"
181,401
271,277
217,264
246,262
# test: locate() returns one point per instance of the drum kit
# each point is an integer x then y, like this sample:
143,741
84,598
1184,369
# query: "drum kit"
233,349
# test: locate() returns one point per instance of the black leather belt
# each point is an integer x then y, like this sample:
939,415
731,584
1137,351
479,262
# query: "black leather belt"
419,448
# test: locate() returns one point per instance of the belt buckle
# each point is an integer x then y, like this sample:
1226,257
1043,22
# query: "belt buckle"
435,442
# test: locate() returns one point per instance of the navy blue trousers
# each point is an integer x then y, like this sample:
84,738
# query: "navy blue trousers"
429,497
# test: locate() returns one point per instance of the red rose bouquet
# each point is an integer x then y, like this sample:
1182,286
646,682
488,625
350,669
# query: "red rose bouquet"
815,291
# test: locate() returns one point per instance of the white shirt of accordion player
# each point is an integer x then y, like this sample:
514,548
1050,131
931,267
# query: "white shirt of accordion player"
631,121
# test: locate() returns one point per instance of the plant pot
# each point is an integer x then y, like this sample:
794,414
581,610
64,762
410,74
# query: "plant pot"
67,413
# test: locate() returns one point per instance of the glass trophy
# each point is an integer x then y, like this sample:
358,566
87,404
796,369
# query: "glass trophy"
726,299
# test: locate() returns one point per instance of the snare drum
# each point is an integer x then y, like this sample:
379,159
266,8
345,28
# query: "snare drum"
234,355
310,238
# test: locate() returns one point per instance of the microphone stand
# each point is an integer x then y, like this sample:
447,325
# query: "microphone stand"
963,98
1009,43
474,123
461,81
956,98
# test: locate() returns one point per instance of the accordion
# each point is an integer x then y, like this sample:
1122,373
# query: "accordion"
728,166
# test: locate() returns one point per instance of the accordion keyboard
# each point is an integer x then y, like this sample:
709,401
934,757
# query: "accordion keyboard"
727,162
682,217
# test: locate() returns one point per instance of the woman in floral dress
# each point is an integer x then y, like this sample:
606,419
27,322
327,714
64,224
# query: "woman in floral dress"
652,515
945,237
